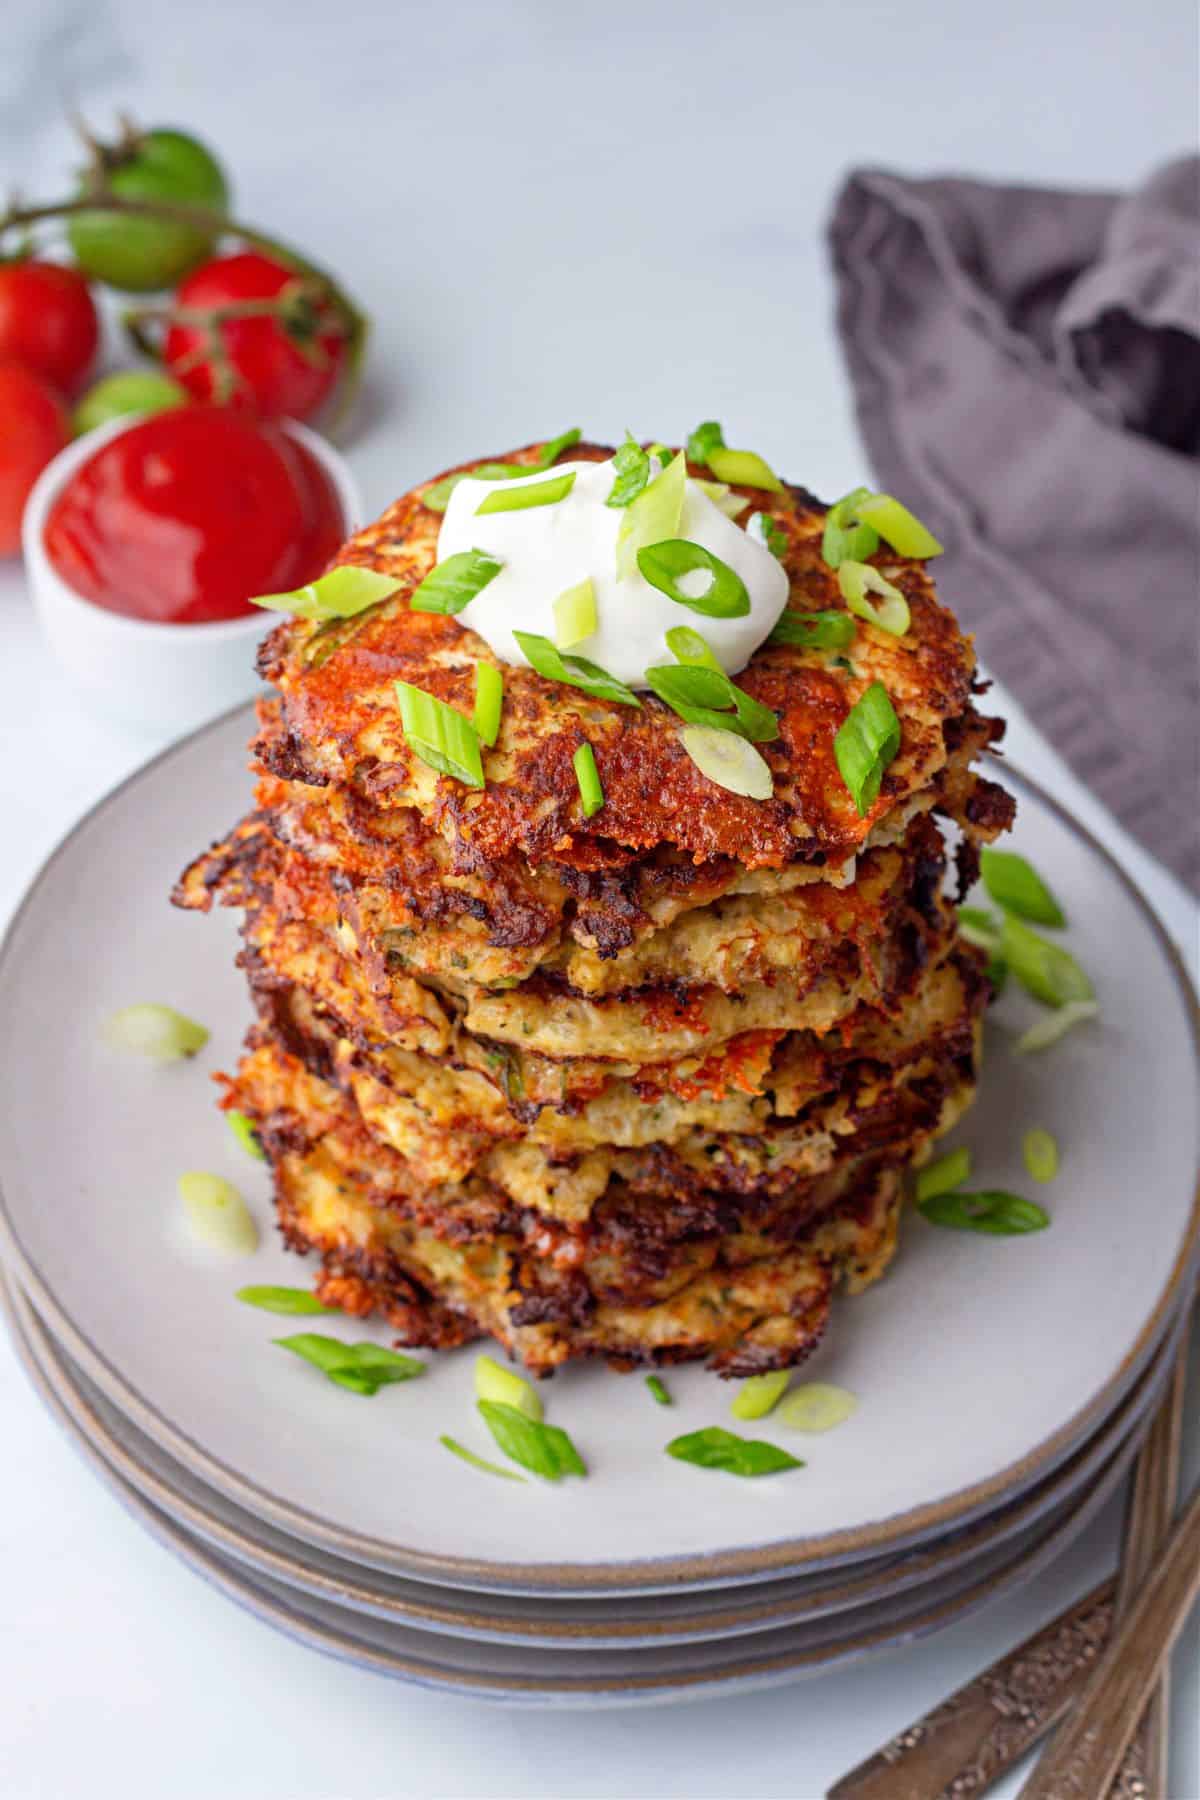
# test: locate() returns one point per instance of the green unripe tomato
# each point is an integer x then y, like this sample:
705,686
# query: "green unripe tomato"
140,256
129,391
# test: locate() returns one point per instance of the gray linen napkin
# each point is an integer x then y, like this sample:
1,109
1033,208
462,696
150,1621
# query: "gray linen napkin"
1026,367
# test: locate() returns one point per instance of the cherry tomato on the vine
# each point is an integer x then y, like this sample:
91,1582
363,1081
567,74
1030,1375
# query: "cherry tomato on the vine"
33,428
137,254
48,321
279,358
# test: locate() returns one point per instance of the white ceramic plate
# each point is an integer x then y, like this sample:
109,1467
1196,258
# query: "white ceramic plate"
634,1621
980,1363
530,1676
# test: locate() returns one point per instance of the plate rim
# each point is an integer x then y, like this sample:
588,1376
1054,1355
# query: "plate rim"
754,1562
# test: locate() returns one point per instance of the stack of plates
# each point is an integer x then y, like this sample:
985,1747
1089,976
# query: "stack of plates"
1004,1384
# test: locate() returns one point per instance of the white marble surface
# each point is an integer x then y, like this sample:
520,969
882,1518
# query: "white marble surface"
556,214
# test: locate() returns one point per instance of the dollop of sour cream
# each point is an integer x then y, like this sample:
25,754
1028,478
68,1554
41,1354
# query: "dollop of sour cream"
547,549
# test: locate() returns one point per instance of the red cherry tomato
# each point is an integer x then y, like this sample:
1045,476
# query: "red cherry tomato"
33,427
48,321
281,365
184,515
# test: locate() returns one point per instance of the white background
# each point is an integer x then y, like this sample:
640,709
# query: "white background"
557,214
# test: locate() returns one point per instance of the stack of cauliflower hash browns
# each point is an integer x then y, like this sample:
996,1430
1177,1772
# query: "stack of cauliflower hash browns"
643,1085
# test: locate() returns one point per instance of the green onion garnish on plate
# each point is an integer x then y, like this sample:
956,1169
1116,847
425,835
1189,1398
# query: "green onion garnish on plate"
289,1301
689,647
658,1390
575,616
994,1213
155,1031
816,1406
1015,883
494,1382
856,580
478,1462
440,736
729,761
704,695
544,1450
759,1394
591,793
704,440
943,1176
534,493
663,564
243,1131
866,743
575,671
1040,1152
716,1448
489,701
631,472
724,499
1045,970
437,497
897,526
339,595
980,927
814,630
363,1368
1049,1030
653,516
844,539
216,1213
454,583
743,468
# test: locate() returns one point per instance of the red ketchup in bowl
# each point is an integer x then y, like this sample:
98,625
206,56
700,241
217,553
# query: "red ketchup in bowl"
181,518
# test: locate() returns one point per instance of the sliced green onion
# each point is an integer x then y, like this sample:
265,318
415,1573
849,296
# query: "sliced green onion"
575,615
658,1390
243,1130
1045,970
994,1213
489,700
724,499
535,493
544,1450
1040,1152
588,776
817,1406
654,516
662,564
759,1394
943,1176
454,583
363,1368
866,743
478,1462
762,526
156,1031
1050,1029
844,538
690,647
814,630
494,1382
575,671
856,580
729,761
702,694
286,1300
716,1448
339,595
743,468
897,526
631,471
704,440
980,928
437,497
439,735
1016,884
217,1213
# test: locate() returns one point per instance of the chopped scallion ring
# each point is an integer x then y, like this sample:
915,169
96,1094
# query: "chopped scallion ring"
658,1390
814,631
897,526
1015,883
216,1213
289,1301
702,693
980,928
664,565
156,1031
704,440
494,1382
943,1176
724,499
743,468
816,1406
758,1394
844,539
653,516
1045,970
729,761
478,1462
856,580
243,1130
1048,1031
534,493
866,743
454,583
440,736
1040,1152
489,700
994,1213
575,616
691,648
575,671
591,794
631,470
339,595
437,497
762,526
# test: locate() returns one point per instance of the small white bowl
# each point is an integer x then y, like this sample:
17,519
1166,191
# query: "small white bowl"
163,677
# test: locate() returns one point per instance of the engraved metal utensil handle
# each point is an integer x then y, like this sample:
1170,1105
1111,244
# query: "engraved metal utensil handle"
1087,1752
